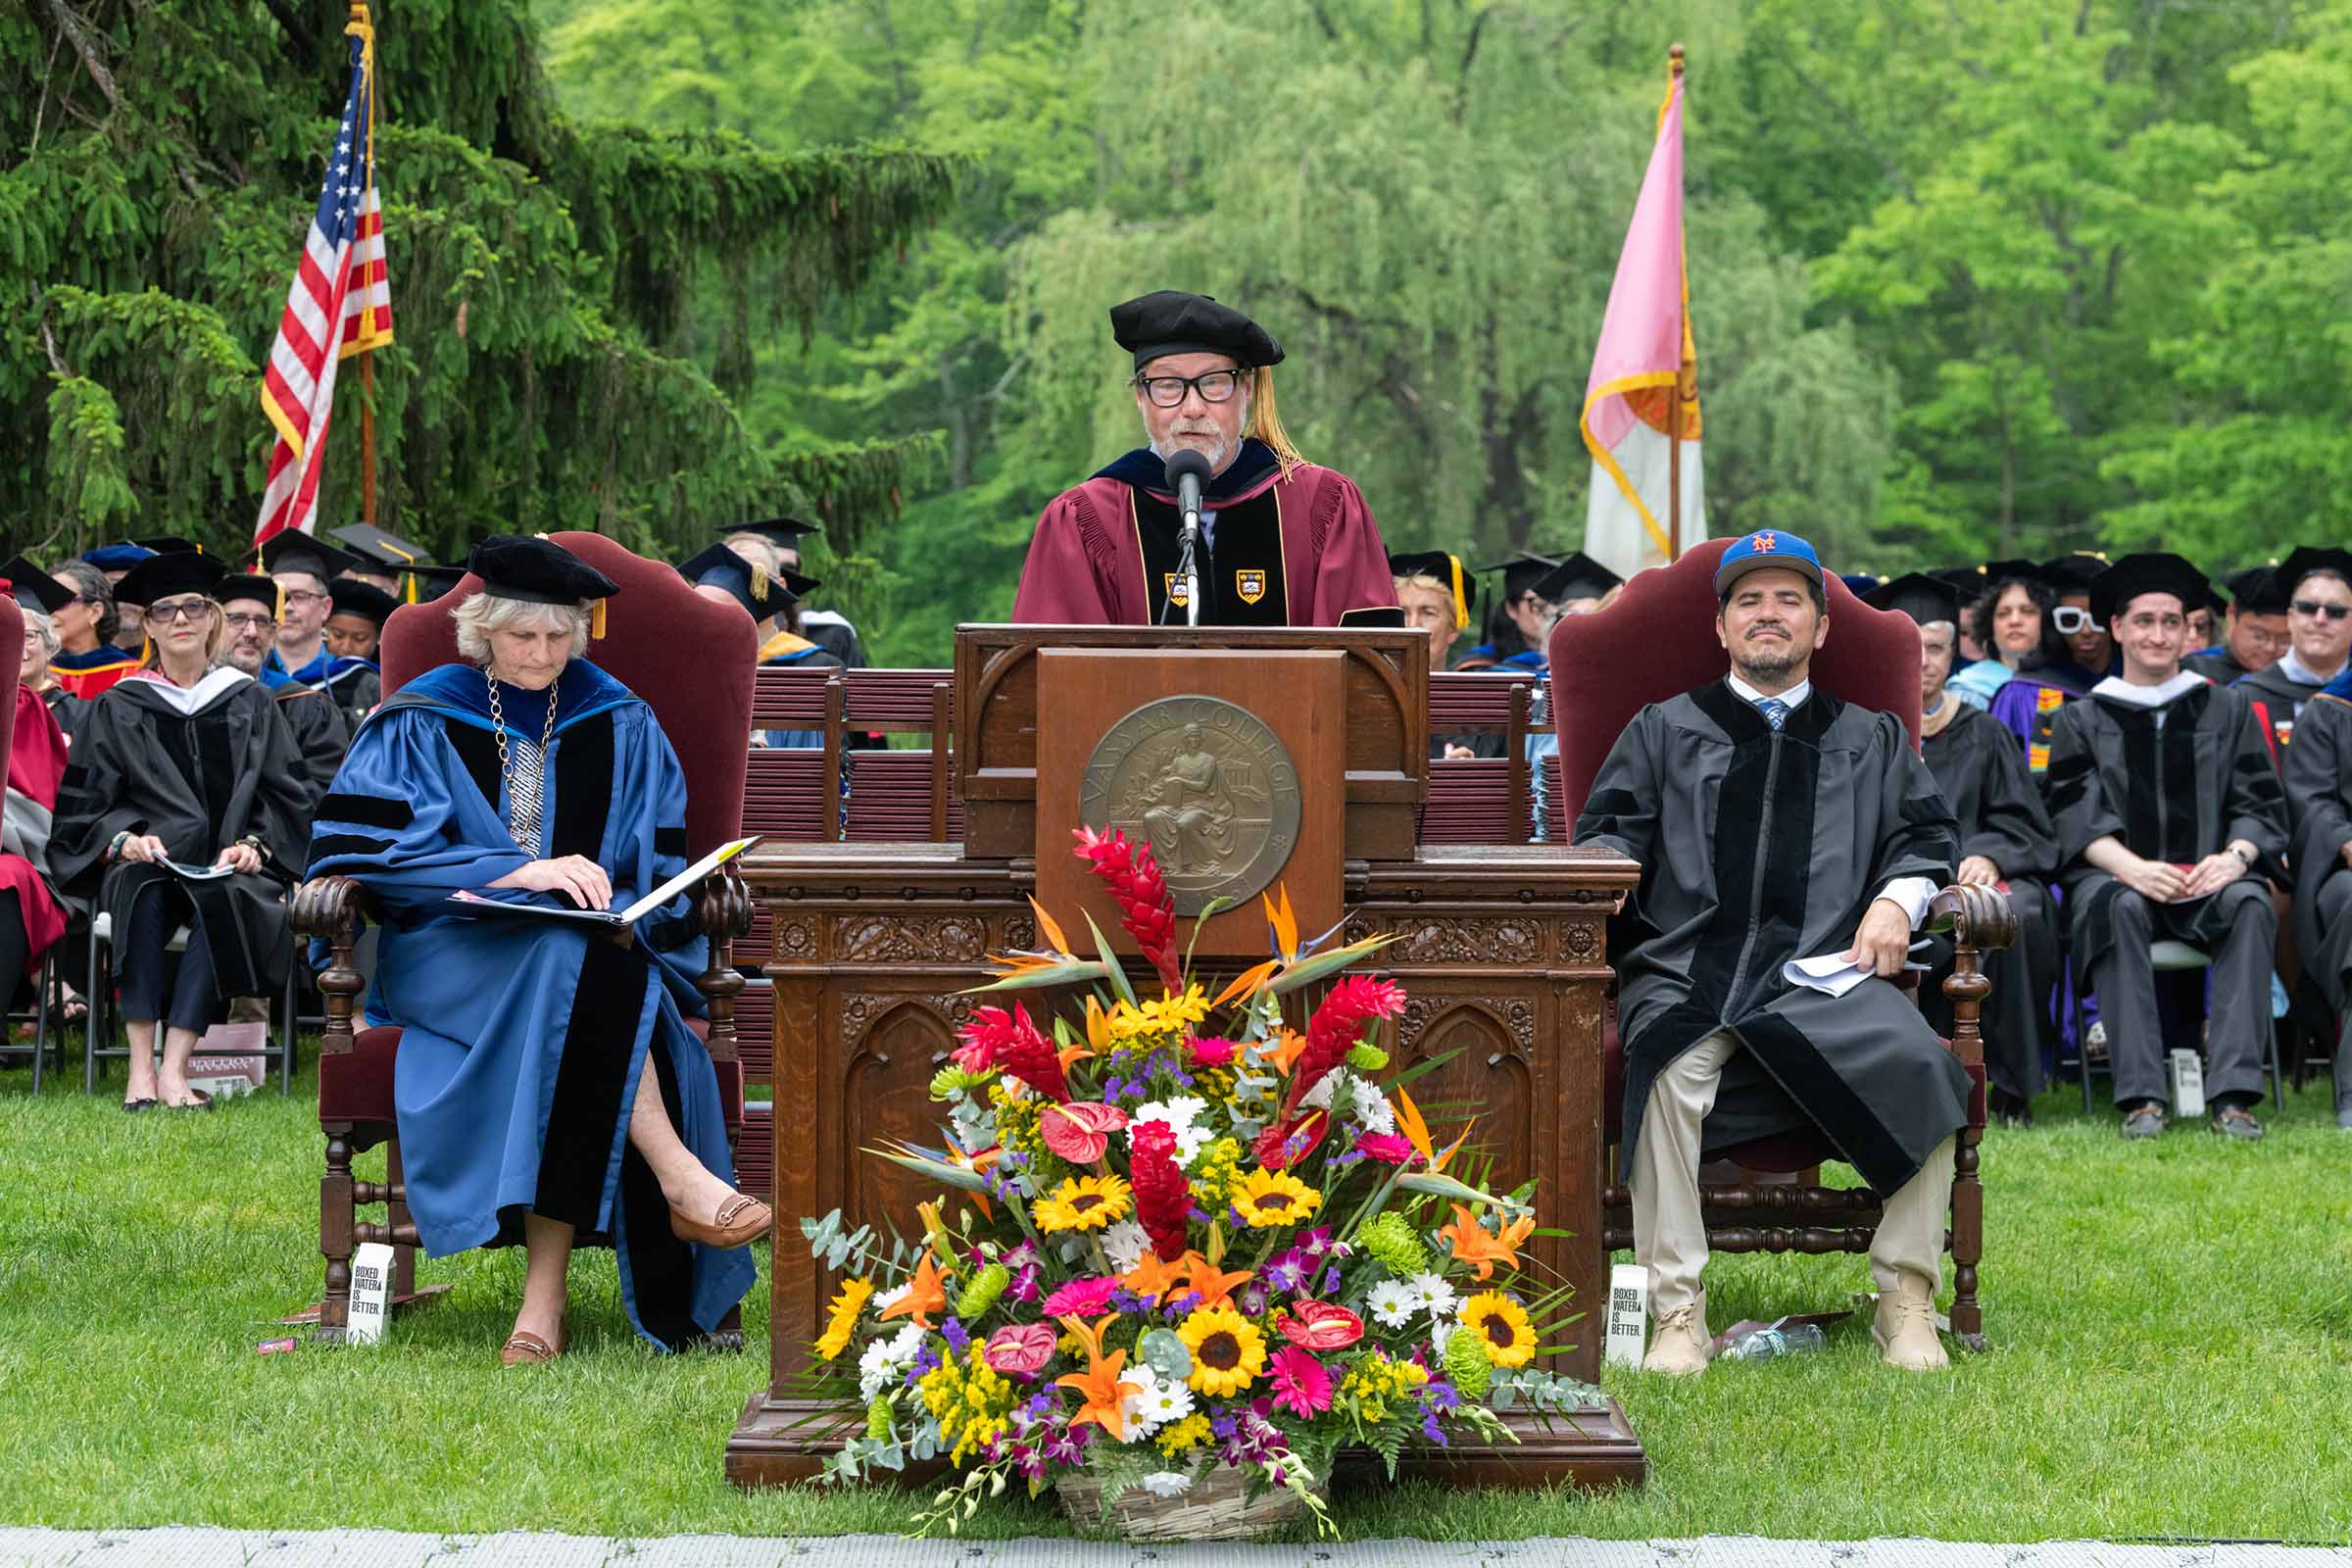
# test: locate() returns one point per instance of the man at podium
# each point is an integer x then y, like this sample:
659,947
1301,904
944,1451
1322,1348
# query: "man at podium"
1283,542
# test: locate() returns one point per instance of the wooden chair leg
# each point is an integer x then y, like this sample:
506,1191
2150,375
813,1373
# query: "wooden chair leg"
1968,1240
398,1221
338,1227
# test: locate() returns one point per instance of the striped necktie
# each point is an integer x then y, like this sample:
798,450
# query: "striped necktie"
1775,711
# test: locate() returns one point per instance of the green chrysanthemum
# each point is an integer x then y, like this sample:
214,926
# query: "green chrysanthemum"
981,1293
953,1080
877,1419
1393,1244
1467,1363
1365,1056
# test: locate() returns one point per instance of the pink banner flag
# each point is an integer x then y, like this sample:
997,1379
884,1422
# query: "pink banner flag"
1645,341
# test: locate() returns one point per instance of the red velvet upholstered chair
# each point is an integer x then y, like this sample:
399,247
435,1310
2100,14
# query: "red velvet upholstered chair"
12,638
1656,641
690,658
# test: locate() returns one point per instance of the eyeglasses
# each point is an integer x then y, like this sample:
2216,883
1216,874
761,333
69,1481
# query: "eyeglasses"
303,596
2264,639
1167,391
245,623
179,610
2072,621
2315,609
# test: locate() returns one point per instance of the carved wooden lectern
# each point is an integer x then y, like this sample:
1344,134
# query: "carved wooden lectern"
1246,757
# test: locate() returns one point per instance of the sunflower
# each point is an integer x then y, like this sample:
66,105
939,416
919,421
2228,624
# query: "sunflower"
1082,1204
1228,1350
1271,1198
1503,1323
842,1318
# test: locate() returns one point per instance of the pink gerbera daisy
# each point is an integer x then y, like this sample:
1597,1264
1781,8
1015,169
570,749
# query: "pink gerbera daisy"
1301,1384
1085,1298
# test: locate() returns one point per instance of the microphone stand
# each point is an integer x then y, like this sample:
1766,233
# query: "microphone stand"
1187,565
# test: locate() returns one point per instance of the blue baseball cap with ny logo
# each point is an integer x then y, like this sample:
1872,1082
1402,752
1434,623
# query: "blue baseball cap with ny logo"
1766,546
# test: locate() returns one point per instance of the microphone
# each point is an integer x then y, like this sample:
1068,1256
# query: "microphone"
1188,470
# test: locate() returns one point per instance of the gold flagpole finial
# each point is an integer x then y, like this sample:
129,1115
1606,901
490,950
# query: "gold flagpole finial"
1674,60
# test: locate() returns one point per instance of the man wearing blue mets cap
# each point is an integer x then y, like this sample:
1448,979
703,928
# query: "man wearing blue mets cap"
1775,823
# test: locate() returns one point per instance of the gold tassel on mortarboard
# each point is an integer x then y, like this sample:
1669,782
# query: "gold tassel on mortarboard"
596,620
1266,421
1461,601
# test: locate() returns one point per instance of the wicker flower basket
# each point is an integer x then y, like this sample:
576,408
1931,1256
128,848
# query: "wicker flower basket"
1214,1509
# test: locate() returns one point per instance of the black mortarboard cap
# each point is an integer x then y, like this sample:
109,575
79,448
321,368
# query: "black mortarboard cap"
1446,568
2256,591
170,544
2151,573
1968,580
785,531
1576,576
755,588
29,584
1916,594
2072,575
365,600
800,587
2308,559
1174,323
2003,570
252,587
183,572
375,548
300,552
538,570
432,583
1521,573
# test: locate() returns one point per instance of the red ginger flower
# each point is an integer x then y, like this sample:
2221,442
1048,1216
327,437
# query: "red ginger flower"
1336,1025
1147,909
1163,1202
996,1037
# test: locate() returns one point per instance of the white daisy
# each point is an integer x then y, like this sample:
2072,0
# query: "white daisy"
1364,1102
1125,1244
1430,1295
1166,1484
1179,1111
887,1357
1393,1303
885,1300
1167,1401
1190,1141
1135,1409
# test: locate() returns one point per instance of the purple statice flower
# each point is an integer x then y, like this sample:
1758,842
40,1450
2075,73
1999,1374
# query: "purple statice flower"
1331,1281
1224,1424
1123,1300
926,1359
1039,1405
951,1330
1437,1395
1286,1272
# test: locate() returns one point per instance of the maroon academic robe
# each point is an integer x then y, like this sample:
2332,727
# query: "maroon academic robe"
1301,551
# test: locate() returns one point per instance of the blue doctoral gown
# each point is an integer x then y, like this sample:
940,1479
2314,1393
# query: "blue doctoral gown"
523,1042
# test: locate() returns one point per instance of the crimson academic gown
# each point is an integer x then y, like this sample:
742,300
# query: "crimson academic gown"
1294,551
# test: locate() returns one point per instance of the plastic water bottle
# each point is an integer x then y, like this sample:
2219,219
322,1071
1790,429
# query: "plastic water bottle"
1763,1344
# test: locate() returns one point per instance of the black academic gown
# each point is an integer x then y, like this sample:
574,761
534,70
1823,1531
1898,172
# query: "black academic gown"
356,687
1758,847
199,782
2178,792
2216,664
2281,697
2001,816
321,735
2319,796
66,709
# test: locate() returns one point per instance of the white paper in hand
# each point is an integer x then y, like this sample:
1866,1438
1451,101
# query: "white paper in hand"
1829,973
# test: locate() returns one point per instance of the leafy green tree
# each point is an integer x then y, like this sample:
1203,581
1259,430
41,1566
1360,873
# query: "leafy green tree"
158,164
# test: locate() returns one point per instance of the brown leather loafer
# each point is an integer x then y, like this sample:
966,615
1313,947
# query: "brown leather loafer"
740,1221
528,1350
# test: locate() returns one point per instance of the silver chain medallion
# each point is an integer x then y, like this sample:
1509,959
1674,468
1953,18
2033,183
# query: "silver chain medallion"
522,783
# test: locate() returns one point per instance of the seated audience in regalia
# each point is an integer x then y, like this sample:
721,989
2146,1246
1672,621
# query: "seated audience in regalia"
2169,814
182,765
30,917
88,658
547,1085
2318,797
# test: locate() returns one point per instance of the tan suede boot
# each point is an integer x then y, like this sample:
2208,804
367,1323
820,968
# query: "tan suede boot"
1905,1327
1682,1345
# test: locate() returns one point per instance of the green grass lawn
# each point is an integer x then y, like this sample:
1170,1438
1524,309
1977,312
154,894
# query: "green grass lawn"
2171,1328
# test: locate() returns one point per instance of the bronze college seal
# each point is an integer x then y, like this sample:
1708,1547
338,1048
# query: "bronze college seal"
1207,785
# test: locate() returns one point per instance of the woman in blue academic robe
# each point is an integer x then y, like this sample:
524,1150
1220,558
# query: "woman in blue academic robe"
548,1087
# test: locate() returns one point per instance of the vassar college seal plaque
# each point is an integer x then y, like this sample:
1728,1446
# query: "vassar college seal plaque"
1207,785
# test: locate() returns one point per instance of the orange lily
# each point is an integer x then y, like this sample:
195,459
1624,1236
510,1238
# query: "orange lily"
1474,1246
1286,1054
1216,1285
1151,1278
926,1293
1099,1384
1416,1133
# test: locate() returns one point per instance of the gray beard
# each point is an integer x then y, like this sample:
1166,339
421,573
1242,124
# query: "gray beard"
1217,459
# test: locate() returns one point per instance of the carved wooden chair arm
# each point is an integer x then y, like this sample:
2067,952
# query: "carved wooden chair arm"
1980,920
723,908
329,908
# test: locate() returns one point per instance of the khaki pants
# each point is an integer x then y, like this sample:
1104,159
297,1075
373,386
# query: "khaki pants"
1670,1236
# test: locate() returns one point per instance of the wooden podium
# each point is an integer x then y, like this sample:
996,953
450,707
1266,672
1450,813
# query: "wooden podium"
1313,745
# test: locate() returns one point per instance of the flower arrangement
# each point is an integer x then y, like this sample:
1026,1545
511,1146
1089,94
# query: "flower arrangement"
1176,1250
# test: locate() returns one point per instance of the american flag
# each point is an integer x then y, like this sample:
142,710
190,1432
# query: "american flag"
341,304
